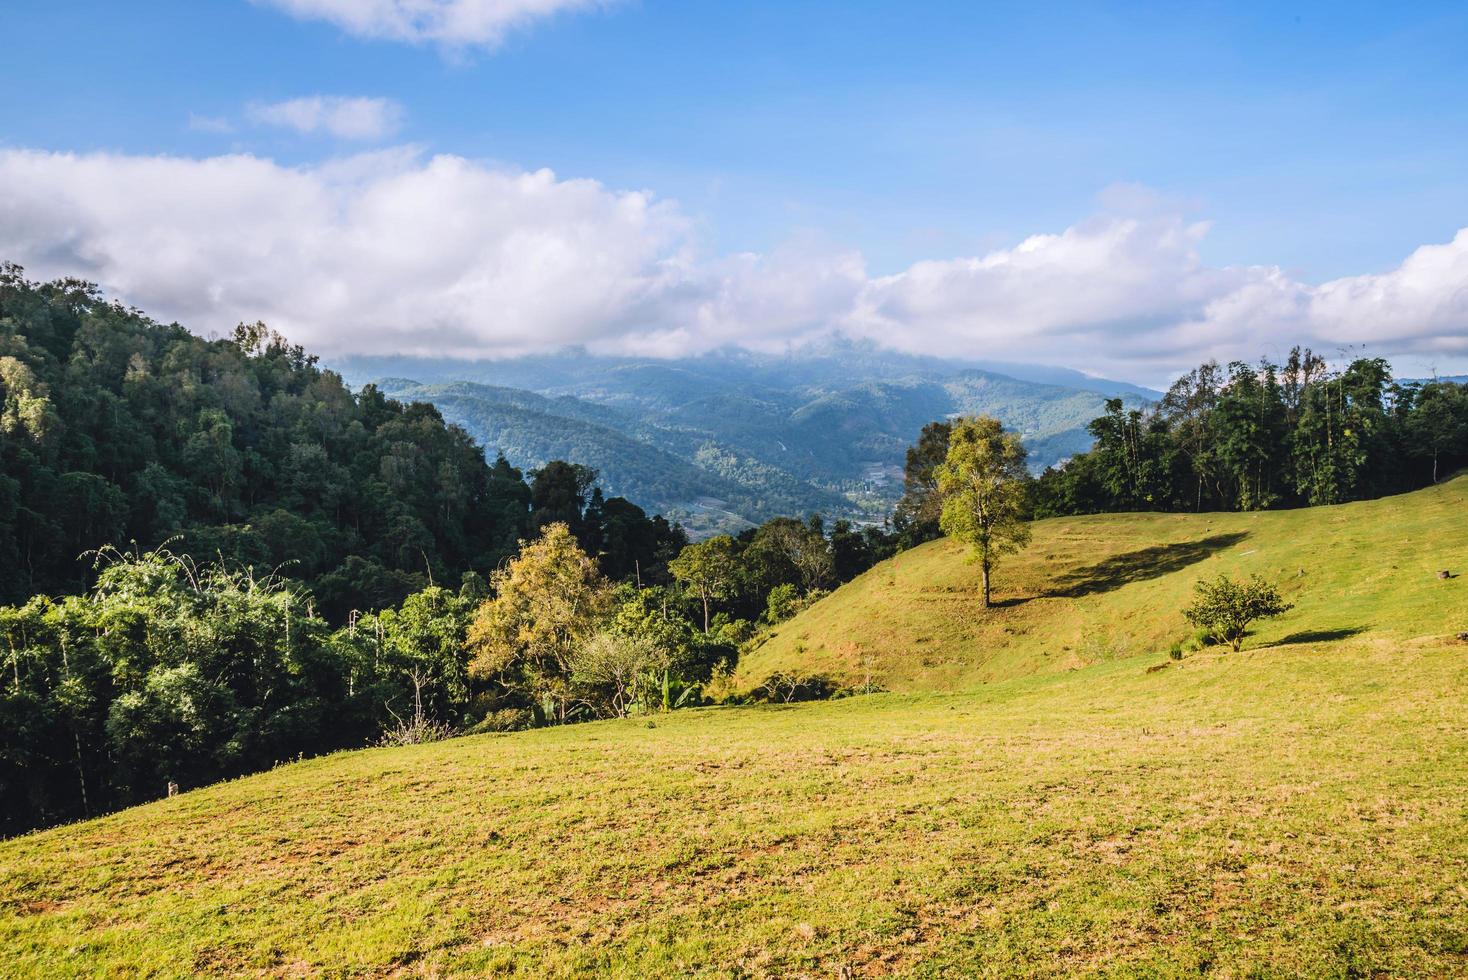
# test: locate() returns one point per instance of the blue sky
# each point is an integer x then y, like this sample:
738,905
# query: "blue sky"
1323,141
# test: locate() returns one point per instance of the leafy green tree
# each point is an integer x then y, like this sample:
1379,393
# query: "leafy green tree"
612,669
1132,458
630,546
799,546
657,616
25,405
548,602
1342,418
422,643
1186,413
917,514
1226,608
558,494
782,603
707,569
1437,424
1248,420
985,489
854,550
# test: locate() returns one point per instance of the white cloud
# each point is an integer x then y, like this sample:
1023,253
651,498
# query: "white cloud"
452,23
377,252
394,251
345,117
1132,297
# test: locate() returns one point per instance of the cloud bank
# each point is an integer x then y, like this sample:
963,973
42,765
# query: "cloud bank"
345,117
450,23
399,252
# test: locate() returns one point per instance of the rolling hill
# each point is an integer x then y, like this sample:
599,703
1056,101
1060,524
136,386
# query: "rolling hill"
1293,810
1093,589
733,437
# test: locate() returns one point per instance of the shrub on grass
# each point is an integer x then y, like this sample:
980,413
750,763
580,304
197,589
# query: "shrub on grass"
505,720
1225,608
782,603
416,731
786,687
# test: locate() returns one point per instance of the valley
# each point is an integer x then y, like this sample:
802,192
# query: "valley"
818,430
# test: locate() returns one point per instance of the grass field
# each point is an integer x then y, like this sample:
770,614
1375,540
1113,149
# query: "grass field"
1300,809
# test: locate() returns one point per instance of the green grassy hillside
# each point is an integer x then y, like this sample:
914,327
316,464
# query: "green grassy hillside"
1093,589
1293,810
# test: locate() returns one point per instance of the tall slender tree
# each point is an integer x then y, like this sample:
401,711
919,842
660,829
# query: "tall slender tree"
985,489
707,569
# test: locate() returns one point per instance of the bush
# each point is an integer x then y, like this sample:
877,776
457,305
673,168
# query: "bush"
1225,608
419,731
782,603
505,720
786,687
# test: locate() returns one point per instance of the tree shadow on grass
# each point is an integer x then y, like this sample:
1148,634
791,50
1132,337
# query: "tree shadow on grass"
1319,636
1139,566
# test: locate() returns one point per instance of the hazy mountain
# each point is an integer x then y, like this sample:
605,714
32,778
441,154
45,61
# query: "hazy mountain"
735,436
1457,379
834,361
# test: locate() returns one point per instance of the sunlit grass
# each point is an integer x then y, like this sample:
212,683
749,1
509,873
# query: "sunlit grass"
1092,589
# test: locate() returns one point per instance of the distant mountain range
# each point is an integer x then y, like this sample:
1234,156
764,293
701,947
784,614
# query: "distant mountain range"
733,437
1457,379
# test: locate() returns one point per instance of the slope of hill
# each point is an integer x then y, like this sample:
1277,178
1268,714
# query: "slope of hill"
1294,810
822,429
1090,589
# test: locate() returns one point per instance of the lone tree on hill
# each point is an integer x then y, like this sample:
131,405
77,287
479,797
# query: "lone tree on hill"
985,489
1225,608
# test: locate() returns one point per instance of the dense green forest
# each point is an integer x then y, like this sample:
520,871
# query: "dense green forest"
1245,437
1257,436
116,428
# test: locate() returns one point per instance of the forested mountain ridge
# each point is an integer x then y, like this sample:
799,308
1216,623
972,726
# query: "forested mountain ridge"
673,472
823,429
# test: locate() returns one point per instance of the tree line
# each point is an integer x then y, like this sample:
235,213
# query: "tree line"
170,671
1266,435
1244,437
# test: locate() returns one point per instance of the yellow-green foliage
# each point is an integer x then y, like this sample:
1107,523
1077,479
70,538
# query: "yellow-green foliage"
1091,589
1291,810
